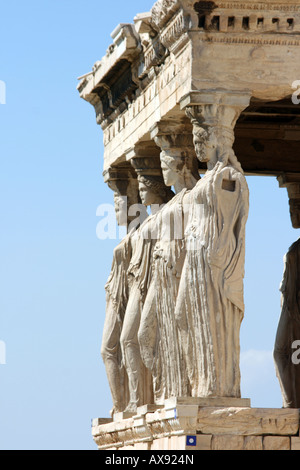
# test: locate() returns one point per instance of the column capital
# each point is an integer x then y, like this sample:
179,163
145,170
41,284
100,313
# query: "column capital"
173,137
214,114
123,182
144,159
116,177
291,181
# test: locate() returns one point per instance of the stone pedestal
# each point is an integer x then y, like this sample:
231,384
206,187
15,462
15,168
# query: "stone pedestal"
201,424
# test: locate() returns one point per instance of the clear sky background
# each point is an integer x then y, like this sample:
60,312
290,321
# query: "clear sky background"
53,268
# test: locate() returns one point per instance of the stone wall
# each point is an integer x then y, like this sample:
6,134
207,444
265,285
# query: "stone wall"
188,425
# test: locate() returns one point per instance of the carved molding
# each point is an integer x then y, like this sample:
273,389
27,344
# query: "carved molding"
259,6
154,55
247,39
177,27
162,11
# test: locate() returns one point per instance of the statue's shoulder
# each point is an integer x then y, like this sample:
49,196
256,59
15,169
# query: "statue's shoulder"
124,244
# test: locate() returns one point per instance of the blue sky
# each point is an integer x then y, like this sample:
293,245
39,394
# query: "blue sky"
53,267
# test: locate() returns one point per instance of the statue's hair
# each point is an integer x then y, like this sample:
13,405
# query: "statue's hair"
203,131
157,185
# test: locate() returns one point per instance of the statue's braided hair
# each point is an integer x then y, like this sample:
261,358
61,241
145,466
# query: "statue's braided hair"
157,185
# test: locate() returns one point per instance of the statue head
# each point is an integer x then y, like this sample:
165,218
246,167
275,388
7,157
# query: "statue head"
177,166
213,131
171,168
153,190
215,144
121,209
124,184
205,143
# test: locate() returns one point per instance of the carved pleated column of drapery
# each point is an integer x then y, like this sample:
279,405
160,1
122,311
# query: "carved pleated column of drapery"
158,337
153,192
210,305
128,380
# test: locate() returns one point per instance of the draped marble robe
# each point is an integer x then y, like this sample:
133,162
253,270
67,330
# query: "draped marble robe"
139,275
117,295
126,289
210,306
157,335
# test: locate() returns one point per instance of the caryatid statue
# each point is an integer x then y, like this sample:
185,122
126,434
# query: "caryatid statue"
153,192
125,187
118,287
158,337
210,307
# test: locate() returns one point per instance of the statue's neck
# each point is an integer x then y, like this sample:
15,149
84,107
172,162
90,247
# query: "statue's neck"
185,181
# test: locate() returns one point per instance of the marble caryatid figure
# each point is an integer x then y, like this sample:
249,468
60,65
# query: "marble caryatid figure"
158,336
125,188
210,307
117,293
118,287
153,191
287,344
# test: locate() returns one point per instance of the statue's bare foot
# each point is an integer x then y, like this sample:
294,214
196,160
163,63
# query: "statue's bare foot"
114,411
